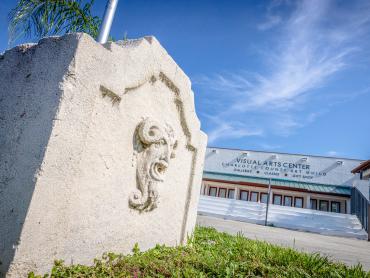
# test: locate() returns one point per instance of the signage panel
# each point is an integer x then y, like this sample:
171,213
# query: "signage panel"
295,167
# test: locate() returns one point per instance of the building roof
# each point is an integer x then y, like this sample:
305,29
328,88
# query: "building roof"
362,167
272,152
304,186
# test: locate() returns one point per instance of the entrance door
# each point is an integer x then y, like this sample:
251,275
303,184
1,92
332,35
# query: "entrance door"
244,195
222,192
263,198
277,199
254,196
335,206
231,193
212,191
313,203
324,205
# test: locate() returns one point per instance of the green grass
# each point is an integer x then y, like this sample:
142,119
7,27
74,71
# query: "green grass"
211,254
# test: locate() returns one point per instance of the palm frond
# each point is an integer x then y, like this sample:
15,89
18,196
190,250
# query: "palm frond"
41,18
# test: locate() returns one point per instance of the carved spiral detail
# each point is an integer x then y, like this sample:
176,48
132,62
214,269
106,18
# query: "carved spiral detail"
143,200
150,132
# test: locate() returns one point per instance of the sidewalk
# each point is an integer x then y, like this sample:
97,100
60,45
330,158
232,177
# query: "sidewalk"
348,251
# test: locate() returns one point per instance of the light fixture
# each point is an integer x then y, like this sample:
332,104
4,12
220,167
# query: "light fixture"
274,156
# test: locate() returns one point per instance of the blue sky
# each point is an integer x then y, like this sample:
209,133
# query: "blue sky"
282,76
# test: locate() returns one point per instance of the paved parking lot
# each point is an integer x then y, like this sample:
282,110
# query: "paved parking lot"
346,250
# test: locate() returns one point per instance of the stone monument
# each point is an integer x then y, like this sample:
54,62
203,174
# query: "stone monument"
100,148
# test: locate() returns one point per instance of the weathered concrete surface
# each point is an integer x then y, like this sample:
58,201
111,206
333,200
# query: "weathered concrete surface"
346,250
100,148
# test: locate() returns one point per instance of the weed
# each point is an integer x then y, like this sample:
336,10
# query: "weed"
211,254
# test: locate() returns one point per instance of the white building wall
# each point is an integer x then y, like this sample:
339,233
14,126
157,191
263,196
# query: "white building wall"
295,167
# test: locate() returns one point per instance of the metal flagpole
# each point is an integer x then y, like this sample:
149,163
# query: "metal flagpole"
268,201
110,9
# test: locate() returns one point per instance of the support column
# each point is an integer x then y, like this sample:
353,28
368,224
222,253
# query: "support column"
308,201
348,206
236,192
271,196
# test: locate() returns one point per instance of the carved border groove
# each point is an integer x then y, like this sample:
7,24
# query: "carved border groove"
179,104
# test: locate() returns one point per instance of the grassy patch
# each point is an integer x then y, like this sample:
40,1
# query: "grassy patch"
211,254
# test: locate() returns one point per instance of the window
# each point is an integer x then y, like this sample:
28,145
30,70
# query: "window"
313,203
263,198
324,205
288,201
298,202
254,197
335,206
231,193
244,195
277,199
222,192
212,191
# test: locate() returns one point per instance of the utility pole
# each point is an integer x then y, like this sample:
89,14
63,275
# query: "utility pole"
268,201
110,10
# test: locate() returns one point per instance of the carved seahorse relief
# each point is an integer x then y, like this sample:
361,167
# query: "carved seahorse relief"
154,145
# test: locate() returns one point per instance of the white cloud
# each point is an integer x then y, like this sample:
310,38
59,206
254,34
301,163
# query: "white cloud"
332,153
230,130
224,83
227,131
309,54
272,19
269,147
311,50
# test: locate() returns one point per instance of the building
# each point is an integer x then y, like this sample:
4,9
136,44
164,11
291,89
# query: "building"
362,184
363,170
303,181
360,199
